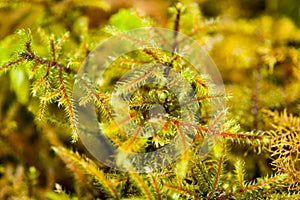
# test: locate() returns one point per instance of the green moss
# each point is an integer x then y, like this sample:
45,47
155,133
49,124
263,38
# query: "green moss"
42,156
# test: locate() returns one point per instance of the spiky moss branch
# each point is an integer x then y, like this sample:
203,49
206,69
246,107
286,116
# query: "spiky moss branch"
145,189
75,162
154,54
250,138
240,173
181,190
268,183
218,173
52,86
155,185
67,101
101,100
10,64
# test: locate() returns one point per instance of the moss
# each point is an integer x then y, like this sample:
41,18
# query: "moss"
253,151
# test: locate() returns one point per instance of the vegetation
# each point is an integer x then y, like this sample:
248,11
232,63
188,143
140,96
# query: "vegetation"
43,45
